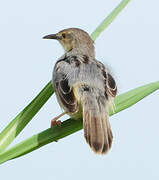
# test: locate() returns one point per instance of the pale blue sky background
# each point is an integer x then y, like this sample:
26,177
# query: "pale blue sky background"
130,46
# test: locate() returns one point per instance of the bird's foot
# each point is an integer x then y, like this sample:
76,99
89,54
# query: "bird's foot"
55,122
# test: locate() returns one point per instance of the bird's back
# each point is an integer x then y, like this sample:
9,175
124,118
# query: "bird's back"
80,69
71,72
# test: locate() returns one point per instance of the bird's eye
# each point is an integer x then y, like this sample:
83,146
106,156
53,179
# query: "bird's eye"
64,35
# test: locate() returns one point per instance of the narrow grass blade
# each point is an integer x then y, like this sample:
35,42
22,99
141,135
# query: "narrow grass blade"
126,100
23,118
70,126
109,19
19,122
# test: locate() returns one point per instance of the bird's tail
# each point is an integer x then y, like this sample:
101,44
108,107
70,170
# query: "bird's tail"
97,129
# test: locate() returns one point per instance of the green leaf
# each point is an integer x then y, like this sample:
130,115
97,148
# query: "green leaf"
24,117
131,97
109,19
70,126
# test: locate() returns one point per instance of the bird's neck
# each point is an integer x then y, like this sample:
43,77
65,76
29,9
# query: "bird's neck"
82,51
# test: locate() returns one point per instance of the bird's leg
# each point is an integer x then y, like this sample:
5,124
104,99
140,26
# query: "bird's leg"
55,122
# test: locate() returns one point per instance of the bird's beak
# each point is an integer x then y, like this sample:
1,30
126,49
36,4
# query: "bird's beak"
52,36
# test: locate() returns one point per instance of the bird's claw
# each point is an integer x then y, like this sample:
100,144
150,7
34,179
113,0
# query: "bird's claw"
55,122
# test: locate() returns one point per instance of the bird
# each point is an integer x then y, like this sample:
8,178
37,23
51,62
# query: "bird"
84,87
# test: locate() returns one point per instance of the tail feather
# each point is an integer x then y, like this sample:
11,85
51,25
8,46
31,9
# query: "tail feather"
97,129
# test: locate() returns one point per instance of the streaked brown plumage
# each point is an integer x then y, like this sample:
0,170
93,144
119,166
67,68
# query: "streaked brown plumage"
84,87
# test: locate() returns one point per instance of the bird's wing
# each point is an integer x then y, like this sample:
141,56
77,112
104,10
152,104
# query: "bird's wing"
63,89
110,84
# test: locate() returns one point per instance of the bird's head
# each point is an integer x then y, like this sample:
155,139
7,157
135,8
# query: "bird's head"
75,40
